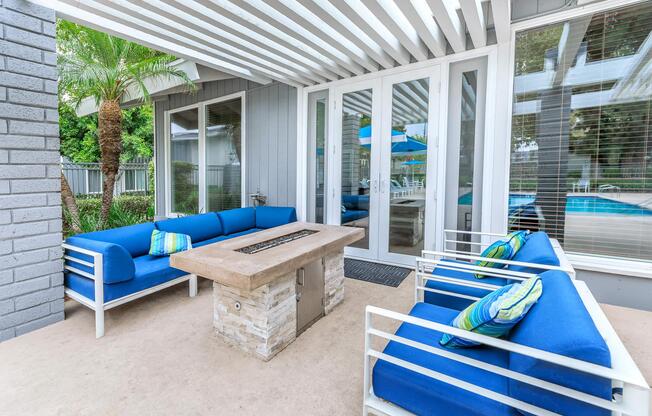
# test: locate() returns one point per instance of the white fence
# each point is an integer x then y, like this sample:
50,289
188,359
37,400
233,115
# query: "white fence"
87,178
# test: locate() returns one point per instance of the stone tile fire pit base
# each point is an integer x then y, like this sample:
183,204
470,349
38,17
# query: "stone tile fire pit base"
263,321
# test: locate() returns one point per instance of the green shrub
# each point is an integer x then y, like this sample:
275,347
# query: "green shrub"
125,210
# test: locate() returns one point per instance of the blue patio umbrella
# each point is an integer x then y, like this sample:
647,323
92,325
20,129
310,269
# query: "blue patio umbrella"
413,162
401,142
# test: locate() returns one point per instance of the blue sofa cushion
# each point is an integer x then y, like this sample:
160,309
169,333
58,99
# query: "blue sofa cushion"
150,271
117,264
560,323
356,202
134,238
199,227
225,237
239,219
453,302
353,214
268,217
537,249
423,395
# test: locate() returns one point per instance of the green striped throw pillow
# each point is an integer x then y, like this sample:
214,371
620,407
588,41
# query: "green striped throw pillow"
164,243
497,313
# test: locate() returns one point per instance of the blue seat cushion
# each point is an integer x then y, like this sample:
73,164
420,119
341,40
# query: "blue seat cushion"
239,219
134,238
423,395
353,214
199,227
117,264
245,232
560,323
453,302
211,240
150,271
268,217
536,249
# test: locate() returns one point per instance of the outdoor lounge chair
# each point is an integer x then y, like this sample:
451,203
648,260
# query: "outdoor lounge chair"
562,358
453,283
104,269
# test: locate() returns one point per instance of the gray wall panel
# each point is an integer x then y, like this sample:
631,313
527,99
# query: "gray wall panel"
270,135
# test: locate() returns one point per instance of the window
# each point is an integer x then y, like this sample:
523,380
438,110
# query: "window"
135,180
223,155
581,145
94,181
205,157
184,162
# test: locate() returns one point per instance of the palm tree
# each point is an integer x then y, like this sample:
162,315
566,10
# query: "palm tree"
108,69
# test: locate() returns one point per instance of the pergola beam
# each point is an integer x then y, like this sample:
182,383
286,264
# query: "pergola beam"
393,18
75,14
420,15
475,21
502,14
450,23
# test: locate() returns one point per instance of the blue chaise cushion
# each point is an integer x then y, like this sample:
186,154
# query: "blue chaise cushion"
239,219
536,249
117,264
454,302
560,323
423,395
199,227
268,217
150,271
134,238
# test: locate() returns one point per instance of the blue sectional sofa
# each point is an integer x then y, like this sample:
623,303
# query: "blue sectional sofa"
559,323
536,251
129,272
355,207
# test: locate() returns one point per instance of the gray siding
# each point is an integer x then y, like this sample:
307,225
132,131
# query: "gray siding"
270,136
31,268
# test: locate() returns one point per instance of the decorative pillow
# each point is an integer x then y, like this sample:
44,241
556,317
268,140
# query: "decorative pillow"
497,313
503,249
164,243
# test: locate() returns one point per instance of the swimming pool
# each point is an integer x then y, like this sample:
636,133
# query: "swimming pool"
576,204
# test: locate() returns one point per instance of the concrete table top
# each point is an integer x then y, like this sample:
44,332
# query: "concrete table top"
222,263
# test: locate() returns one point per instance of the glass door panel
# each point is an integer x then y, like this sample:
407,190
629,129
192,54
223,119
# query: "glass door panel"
184,162
407,144
356,167
317,133
223,155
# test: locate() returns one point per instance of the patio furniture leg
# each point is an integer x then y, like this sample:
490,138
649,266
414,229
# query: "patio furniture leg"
192,285
99,321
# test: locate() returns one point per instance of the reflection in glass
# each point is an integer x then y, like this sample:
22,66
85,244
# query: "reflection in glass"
184,161
581,153
356,161
467,156
407,188
223,155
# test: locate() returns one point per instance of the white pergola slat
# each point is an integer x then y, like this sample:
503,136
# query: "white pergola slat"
475,21
298,42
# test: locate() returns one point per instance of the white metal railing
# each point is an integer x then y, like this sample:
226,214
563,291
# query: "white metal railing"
634,401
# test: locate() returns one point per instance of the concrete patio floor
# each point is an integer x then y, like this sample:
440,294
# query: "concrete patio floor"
160,357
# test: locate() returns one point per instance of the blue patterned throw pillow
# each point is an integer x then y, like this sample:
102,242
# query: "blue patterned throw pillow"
164,243
497,313
503,249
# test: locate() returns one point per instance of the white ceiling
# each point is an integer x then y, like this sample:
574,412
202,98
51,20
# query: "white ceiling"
299,42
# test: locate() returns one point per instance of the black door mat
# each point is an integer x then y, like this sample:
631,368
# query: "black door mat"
381,274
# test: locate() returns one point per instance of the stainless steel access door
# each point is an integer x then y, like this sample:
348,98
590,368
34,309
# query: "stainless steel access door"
310,294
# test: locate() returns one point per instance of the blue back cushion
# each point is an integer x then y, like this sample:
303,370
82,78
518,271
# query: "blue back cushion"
268,217
356,202
560,323
117,264
536,249
239,219
134,238
198,227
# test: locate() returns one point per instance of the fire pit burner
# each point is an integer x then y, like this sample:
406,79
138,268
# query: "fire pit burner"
274,242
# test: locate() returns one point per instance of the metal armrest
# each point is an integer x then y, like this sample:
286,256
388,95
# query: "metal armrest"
635,399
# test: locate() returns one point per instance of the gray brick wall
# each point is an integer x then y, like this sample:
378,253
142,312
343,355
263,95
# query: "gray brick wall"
31,269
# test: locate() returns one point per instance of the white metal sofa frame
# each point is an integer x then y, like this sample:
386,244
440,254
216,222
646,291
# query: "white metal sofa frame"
98,305
624,374
438,259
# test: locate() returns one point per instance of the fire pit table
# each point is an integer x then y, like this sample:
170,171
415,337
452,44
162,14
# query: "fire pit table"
271,285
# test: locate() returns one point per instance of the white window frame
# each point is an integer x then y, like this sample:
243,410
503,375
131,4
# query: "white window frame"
201,127
580,261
